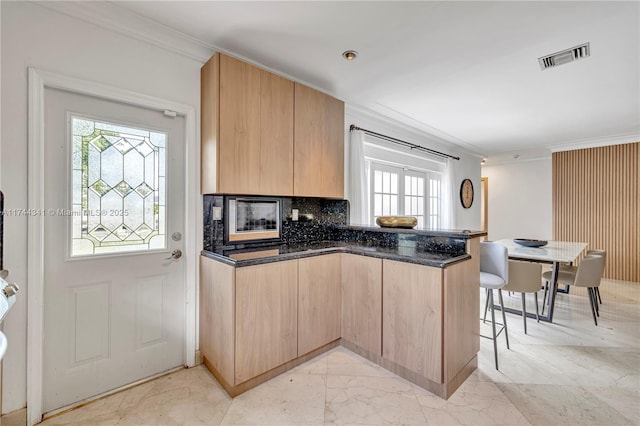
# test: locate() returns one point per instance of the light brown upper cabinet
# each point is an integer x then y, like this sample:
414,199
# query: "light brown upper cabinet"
319,144
247,129
262,136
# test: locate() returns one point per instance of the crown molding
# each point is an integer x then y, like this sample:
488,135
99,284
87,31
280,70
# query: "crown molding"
110,16
623,138
116,18
504,162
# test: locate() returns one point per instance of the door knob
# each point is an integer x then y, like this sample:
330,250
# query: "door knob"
176,254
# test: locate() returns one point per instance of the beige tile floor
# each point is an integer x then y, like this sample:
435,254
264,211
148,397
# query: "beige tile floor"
566,373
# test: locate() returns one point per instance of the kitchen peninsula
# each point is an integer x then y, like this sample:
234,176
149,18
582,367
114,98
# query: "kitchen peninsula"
407,300
283,278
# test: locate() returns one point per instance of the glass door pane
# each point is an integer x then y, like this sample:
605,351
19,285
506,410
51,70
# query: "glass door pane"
118,187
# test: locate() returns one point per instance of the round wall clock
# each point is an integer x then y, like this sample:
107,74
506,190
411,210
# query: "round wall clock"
466,193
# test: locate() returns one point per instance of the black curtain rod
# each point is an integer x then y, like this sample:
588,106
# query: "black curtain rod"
401,142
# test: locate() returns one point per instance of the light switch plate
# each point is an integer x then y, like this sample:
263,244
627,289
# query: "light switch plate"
216,213
294,215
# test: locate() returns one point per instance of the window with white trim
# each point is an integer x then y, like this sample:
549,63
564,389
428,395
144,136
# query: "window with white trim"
385,190
394,190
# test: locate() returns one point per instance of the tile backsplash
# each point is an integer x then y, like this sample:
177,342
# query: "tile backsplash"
381,237
213,229
323,219
314,216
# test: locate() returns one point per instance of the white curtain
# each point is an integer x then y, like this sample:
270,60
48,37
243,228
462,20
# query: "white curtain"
358,188
448,197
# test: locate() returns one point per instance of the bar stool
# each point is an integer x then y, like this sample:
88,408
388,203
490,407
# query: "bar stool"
494,275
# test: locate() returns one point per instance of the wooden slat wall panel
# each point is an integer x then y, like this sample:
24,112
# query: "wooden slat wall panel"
596,199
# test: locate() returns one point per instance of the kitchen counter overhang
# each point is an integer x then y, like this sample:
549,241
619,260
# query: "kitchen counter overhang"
240,257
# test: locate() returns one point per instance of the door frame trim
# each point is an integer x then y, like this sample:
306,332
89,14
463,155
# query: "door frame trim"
484,202
38,81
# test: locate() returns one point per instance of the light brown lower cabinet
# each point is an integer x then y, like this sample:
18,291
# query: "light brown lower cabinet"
461,327
319,301
255,319
430,321
266,317
248,318
362,302
417,321
412,317
217,316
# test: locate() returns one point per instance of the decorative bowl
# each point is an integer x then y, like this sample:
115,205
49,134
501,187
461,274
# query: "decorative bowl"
530,243
396,221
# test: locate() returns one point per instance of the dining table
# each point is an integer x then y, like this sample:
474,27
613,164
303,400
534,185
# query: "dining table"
554,253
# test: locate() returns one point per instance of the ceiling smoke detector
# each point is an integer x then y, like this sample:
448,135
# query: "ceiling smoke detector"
565,56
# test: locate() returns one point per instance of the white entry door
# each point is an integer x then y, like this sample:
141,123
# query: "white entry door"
114,213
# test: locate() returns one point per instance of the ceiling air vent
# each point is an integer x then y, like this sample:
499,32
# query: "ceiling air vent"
565,56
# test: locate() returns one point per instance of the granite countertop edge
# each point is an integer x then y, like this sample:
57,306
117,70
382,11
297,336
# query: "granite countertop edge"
362,251
452,233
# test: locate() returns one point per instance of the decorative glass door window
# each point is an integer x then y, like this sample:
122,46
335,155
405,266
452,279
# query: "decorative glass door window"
118,188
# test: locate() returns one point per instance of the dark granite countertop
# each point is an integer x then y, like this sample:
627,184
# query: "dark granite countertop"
451,233
240,257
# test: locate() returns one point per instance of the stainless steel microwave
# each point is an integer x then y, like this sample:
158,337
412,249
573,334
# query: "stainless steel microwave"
253,218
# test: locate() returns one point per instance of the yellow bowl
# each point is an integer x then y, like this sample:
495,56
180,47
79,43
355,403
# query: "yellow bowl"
396,221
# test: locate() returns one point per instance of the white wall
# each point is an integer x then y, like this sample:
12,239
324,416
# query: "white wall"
33,36
519,199
467,167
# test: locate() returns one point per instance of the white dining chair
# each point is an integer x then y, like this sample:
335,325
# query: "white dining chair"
566,273
494,275
524,277
572,269
588,274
